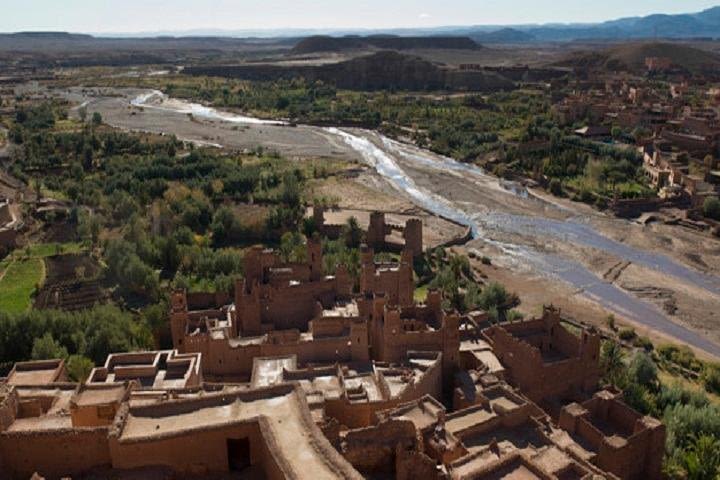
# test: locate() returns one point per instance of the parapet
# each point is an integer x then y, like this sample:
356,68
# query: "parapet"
38,372
163,369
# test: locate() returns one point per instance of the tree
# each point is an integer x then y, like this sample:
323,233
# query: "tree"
292,247
82,113
79,367
701,461
352,233
291,189
96,119
47,348
711,208
711,377
643,371
612,361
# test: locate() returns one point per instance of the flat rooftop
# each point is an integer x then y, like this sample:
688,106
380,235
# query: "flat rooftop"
290,426
36,373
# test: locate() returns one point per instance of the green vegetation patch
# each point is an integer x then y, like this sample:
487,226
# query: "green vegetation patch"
19,283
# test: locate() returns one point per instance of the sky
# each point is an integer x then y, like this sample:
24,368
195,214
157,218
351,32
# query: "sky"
133,16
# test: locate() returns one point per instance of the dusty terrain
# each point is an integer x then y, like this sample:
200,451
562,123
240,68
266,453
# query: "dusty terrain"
117,110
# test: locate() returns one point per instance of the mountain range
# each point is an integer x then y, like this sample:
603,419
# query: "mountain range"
701,25
705,24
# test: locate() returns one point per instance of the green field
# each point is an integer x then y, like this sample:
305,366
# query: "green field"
18,284
23,270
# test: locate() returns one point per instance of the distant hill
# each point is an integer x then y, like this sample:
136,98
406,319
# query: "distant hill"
504,35
382,70
631,57
321,43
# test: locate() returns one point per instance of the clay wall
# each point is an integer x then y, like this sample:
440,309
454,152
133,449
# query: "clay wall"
330,326
292,306
9,405
207,301
94,416
639,458
431,384
565,341
528,370
413,236
373,449
196,454
589,433
414,465
358,415
221,358
54,454
623,416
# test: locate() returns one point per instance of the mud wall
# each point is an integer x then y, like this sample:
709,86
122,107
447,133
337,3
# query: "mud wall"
54,454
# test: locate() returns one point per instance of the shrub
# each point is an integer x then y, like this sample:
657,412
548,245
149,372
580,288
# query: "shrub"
711,208
47,348
79,367
611,322
710,377
643,371
627,334
644,343
556,187
681,355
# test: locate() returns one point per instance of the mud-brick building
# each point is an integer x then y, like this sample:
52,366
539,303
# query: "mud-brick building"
617,438
544,359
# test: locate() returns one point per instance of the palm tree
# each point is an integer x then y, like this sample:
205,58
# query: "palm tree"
353,233
612,360
701,461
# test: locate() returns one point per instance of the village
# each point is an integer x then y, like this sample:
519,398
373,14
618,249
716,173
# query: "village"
297,372
448,255
678,139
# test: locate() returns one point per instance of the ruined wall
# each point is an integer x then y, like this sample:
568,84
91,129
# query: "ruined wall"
54,454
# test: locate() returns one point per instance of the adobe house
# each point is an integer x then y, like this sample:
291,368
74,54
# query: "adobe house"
351,393
264,432
544,359
166,369
617,438
503,436
274,318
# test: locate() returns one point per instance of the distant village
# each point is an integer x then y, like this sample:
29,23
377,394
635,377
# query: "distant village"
677,130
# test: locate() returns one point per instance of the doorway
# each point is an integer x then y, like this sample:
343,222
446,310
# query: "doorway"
238,451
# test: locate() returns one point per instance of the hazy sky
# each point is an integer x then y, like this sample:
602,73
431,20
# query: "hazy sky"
164,15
